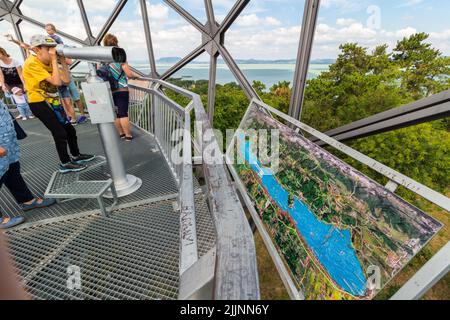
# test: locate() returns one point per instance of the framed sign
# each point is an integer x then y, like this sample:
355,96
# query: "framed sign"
333,232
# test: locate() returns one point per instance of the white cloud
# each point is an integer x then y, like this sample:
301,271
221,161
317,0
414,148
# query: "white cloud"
344,22
253,36
252,20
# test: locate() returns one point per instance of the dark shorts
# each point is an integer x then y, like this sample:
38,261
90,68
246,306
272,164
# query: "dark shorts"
121,101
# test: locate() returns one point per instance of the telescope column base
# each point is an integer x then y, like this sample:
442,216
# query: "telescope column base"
124,189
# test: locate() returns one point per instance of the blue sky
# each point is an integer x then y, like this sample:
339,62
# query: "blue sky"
267,29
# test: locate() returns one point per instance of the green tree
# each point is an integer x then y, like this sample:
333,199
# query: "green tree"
425,69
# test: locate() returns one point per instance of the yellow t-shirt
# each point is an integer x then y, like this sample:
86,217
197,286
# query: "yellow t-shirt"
34,73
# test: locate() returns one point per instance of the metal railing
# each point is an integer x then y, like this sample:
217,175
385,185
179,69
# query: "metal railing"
230,268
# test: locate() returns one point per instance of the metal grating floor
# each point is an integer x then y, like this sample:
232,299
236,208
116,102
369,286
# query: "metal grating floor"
133,254
39,161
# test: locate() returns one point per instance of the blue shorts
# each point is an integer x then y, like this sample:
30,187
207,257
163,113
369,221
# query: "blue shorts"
69,91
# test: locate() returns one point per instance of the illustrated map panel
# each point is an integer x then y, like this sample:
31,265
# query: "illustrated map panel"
340,234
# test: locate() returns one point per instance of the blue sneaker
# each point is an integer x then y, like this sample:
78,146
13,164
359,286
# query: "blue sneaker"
83,158
82,119
35,204
71,167
11,222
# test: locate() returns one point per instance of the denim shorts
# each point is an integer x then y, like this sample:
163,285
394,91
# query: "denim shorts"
69,91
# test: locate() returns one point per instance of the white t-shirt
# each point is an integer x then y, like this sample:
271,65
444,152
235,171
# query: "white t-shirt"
19,99
13,64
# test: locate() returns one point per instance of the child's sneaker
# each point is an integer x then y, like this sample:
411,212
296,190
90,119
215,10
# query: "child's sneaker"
31,117
82,119
24,118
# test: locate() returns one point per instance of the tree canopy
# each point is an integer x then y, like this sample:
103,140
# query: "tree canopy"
359,84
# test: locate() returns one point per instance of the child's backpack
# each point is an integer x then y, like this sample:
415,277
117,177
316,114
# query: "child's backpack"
105,73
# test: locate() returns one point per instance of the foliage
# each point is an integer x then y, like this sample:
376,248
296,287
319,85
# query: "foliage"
360,84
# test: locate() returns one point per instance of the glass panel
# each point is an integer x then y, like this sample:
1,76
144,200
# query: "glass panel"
173,37
387,55
264,42
128,29
64,14
98,13
222,7
195,7
12,49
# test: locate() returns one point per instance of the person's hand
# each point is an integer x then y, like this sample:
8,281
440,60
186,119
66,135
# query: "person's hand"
52,52
24,46
3,152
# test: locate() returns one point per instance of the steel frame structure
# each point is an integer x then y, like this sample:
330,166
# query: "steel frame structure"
213,42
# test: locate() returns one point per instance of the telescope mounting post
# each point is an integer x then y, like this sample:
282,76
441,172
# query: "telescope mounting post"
100,105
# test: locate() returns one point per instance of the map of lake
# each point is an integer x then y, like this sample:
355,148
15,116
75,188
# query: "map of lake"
332,247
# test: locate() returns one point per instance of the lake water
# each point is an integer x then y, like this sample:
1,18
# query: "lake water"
269,74
331,246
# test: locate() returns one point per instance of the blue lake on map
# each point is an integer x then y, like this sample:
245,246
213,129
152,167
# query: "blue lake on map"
331,246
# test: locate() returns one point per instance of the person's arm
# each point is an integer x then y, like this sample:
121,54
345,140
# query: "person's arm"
55,78
10,288
20,72
2,82
65,73
130,74
3,152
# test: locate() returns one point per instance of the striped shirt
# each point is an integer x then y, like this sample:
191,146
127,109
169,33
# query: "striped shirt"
119,74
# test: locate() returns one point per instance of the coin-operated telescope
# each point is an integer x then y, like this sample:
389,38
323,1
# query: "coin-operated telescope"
93,54
100,104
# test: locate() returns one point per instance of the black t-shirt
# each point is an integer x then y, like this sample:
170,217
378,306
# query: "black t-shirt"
11,74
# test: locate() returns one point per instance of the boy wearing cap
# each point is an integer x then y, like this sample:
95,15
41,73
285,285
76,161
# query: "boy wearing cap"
42,78
68,92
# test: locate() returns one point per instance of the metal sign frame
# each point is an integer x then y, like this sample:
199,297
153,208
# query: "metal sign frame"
421,282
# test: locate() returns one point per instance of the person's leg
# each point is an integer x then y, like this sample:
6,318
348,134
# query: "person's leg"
119,127
22,110
125,124
80,107
13,180
66,100
75,94
68,108
28,111
43,112
117,123
123,100
72,140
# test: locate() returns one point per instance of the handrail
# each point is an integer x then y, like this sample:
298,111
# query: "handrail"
163,119
236,274
428,109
